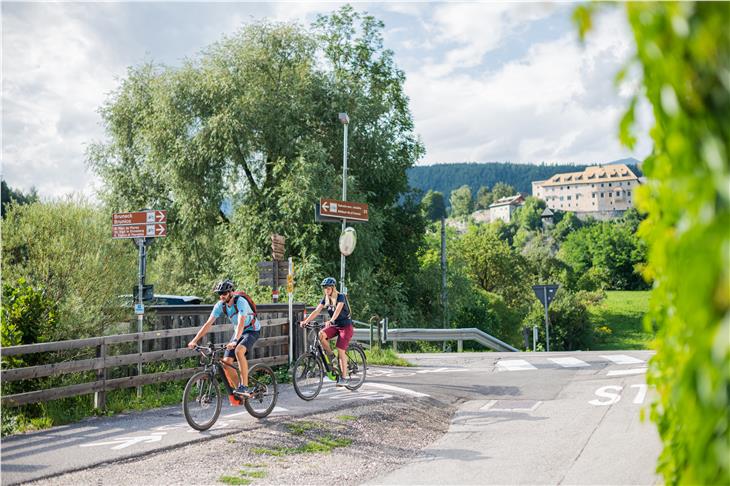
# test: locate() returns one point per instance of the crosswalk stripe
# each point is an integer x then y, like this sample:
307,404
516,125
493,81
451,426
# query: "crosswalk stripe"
569,362
515,365
622,359
636,371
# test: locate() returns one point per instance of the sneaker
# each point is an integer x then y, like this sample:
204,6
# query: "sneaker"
340,381
243,391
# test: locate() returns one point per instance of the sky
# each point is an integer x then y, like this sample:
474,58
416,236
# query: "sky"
486,81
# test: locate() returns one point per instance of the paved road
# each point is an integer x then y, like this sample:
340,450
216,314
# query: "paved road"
545,418
548,418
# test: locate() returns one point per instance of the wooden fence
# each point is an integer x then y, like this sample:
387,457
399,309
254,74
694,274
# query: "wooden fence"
173,327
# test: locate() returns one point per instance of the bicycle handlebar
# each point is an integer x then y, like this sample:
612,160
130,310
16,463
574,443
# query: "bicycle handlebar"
312,325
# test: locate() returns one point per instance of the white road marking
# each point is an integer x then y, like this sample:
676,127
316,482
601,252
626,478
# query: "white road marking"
569,362
514,365
123,442
634,371
396,389
608,393
489,407
622,359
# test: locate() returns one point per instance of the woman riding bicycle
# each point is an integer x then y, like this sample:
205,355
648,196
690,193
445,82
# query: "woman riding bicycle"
339,323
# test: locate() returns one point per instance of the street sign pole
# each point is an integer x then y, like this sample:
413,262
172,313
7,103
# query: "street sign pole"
140,309
290,291
547,319
345,121
545,294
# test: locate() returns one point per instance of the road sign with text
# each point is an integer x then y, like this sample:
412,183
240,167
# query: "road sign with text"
146,217
139,224
139,231
333,208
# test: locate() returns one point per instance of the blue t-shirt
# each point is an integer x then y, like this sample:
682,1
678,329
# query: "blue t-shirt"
344,318
220,307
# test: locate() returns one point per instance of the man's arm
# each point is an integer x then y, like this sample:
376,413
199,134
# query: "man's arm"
202,331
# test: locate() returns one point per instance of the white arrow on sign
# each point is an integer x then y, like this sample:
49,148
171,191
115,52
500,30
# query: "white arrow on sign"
326,206
123,442
160,216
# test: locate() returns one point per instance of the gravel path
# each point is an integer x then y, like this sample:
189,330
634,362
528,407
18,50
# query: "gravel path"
350,445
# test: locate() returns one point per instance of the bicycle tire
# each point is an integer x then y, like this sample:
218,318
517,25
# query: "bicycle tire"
265,391
202,396
356,367
307,376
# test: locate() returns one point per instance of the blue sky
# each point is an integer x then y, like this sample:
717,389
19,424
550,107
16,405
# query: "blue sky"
487,81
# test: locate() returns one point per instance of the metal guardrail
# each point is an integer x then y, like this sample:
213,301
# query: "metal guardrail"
415,334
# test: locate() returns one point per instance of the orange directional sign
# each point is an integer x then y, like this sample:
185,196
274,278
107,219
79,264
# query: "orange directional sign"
139,231
140,217
343,209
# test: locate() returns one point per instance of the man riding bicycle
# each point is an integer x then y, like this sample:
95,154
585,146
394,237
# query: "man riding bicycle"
246,332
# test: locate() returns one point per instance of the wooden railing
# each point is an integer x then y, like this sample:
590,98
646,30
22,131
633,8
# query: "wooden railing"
167,342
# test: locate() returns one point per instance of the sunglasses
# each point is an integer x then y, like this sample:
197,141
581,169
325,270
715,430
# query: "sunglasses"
223,293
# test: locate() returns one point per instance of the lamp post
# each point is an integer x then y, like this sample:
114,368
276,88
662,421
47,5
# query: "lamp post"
345,120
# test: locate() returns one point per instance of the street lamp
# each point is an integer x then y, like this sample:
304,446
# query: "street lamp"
345,120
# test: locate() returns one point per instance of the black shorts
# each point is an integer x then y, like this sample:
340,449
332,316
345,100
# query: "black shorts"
248,339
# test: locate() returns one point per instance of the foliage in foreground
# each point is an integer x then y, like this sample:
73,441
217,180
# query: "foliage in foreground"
683,49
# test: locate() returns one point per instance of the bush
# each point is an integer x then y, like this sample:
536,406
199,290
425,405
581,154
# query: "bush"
571,327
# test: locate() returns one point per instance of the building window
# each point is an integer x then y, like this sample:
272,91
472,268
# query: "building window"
601,193
593,195
601,184
561,198
609,184
568,198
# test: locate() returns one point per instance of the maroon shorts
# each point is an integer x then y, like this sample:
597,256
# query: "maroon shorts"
344,335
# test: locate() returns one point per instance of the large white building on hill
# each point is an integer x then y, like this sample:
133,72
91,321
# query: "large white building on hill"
601,190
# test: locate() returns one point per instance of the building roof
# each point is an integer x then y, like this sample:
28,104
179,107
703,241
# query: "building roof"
599,173
506,201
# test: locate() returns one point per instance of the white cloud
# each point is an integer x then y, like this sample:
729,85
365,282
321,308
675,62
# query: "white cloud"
556,103
486,81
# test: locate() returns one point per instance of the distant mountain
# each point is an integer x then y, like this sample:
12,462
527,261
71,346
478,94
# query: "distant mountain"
445,178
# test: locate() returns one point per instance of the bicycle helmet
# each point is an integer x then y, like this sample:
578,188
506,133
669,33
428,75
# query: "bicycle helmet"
224,286
329,281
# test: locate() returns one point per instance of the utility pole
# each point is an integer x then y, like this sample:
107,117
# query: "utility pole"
444,293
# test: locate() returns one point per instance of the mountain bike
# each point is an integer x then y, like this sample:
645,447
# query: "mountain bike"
310,368
202,399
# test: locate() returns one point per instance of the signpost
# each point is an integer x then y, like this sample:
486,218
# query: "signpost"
142,226
139,231
546,294
332,208
277,246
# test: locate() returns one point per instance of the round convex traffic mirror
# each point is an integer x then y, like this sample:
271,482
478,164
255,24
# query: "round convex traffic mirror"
348,239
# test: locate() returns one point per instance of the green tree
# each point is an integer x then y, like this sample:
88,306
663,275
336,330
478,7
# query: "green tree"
501,190
460,201
433,206
253,120
494,265
483,198
683,50
9,196
63,250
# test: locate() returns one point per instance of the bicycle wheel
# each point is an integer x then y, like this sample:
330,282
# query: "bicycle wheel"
262,380
356,367
308,375
202,401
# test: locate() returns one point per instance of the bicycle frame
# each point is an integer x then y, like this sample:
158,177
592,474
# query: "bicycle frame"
214,365
316,348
